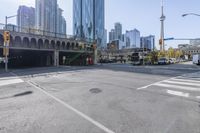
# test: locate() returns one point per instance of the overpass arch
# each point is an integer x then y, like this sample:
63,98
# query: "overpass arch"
68,45
52,44
46,44
33,43
58,45
40,44
77,45
72,45
18,41
26,43
63,45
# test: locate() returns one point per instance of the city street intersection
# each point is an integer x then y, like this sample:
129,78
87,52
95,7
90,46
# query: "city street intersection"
110,98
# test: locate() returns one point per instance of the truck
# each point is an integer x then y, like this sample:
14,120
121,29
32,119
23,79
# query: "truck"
137,58
196,59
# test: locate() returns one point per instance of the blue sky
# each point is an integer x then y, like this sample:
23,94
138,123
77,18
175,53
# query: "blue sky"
141,14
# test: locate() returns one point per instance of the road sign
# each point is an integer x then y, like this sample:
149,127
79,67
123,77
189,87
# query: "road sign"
166,39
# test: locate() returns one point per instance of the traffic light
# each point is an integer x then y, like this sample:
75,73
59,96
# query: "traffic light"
6,36
161,41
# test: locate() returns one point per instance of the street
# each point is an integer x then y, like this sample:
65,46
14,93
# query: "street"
110,98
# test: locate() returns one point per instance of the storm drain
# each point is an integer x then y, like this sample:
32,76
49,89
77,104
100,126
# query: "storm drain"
95,90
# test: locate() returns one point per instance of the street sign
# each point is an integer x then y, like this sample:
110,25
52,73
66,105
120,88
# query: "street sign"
167,39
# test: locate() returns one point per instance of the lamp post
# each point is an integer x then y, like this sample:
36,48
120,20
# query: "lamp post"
194,14
8,17
7,45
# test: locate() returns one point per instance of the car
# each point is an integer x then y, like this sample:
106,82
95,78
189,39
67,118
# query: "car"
172,60
163,61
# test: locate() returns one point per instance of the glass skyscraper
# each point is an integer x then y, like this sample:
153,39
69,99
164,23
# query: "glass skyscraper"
25,18
49,18
89,20
46,15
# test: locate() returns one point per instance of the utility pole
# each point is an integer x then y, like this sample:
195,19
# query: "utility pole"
162,19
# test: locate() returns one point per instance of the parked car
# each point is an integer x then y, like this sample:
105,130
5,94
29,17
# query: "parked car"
172,60
163,61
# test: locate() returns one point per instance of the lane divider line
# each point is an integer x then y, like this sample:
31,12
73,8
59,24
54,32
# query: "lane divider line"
94,122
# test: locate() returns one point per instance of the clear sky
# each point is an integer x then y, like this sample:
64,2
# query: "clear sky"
140,14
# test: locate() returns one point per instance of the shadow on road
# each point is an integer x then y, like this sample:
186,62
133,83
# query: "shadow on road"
18,95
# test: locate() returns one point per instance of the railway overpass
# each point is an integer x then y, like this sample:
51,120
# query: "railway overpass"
37,48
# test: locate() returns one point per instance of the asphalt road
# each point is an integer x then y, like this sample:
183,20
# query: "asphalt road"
112,98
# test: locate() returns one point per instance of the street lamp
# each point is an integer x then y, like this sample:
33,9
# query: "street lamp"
8,17
6,45
194,14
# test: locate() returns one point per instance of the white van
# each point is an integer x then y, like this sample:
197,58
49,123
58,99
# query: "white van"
196,59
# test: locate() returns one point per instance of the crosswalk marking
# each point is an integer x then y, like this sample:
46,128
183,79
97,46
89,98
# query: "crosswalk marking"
10,81
182,83
178,93
190,87
186,80
177,87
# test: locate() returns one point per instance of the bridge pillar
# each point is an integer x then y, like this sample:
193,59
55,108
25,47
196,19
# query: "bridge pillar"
56,58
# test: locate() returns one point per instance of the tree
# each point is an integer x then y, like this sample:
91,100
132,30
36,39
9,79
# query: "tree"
171,53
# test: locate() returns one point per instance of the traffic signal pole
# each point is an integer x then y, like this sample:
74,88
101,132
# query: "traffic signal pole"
6,57
5,45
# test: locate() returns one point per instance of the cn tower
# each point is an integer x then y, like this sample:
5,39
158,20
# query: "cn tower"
162,19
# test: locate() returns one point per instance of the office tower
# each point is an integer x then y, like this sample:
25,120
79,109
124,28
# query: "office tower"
88,20
46,11
148,42
132,39
118,31
112,35
25,18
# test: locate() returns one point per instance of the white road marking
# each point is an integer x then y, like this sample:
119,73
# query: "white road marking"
144,87
187,80
198,97
99,125
177,87
182,83
10,81
73,109
178,93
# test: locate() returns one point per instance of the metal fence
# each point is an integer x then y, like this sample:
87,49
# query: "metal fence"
33,31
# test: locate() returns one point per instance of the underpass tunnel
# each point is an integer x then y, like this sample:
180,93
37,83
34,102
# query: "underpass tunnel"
73,58
28,58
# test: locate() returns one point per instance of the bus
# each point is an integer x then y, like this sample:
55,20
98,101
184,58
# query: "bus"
137,58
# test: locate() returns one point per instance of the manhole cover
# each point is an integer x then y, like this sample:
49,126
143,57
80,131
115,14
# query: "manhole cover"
95,90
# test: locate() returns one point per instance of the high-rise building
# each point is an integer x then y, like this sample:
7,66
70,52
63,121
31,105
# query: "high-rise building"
148,42
49,17
46,11
118,31
25,18
88,20
105,39
61,23
132,39
112,35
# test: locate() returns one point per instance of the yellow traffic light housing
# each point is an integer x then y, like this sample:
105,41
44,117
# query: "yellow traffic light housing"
6,36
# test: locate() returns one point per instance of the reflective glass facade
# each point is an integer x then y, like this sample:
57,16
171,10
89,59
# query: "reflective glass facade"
88,19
